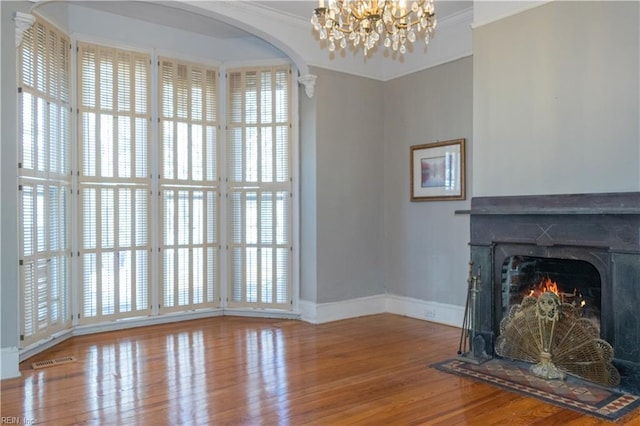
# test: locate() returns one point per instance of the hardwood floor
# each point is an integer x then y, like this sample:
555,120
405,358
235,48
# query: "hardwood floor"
246,371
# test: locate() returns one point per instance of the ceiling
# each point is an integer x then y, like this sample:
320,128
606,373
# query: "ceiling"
284,25
304,8
189,17
173,14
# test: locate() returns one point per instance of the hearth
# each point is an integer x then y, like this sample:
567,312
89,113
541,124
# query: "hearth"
590,243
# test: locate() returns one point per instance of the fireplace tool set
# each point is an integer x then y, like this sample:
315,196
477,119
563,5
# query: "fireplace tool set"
472,346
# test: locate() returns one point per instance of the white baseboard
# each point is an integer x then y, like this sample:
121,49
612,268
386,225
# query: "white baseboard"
315,313
44,344
441,313
10,364
318,313
260,313
82,330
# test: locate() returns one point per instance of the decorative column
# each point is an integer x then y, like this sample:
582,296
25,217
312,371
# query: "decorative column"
23,21
309,81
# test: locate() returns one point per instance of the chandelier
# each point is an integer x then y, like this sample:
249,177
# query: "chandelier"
366,22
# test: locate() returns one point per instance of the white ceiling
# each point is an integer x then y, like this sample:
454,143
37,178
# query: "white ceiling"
285,25
304,8
171,14
188,16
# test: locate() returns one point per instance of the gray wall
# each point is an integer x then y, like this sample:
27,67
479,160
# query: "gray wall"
425,253
361,236
349,190
555,92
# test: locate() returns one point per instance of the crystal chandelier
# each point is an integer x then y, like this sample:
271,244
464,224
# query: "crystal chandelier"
365,22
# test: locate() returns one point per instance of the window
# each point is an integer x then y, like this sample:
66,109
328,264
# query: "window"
114,182
44,176
259,187
189,185
149,234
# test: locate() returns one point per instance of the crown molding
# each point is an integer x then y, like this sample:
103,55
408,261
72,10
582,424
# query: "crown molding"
294,36
489,12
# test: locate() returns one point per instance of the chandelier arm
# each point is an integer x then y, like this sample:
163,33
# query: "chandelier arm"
386,27
416,22
396,22
356,16
343,30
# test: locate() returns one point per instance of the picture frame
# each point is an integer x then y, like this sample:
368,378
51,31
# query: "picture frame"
438,171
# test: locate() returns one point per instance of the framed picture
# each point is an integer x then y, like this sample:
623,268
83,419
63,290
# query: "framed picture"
437,171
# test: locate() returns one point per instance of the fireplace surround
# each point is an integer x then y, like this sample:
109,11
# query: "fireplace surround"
600,229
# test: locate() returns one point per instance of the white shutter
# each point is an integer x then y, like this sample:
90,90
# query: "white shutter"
44,103
44,182
114,115
189,186
44,259
114,136
259,205
188,97
114,251
189,248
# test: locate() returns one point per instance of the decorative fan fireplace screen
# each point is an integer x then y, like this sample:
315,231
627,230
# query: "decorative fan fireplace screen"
553,336
551,318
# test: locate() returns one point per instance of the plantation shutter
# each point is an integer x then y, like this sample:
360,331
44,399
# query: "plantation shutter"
189,185
44,177
259,204
114,137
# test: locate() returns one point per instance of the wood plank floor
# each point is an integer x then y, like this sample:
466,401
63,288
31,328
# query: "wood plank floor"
246,371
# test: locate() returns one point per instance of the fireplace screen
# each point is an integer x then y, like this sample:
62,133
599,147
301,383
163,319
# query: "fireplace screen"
574,281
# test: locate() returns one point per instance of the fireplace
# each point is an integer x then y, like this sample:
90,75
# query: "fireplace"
576,282
588,243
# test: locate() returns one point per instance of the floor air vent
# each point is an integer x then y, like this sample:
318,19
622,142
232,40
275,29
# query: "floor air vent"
52,362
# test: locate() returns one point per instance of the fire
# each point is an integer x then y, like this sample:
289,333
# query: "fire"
547,284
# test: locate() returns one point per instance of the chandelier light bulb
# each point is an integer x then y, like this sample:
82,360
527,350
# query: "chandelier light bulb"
366,22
